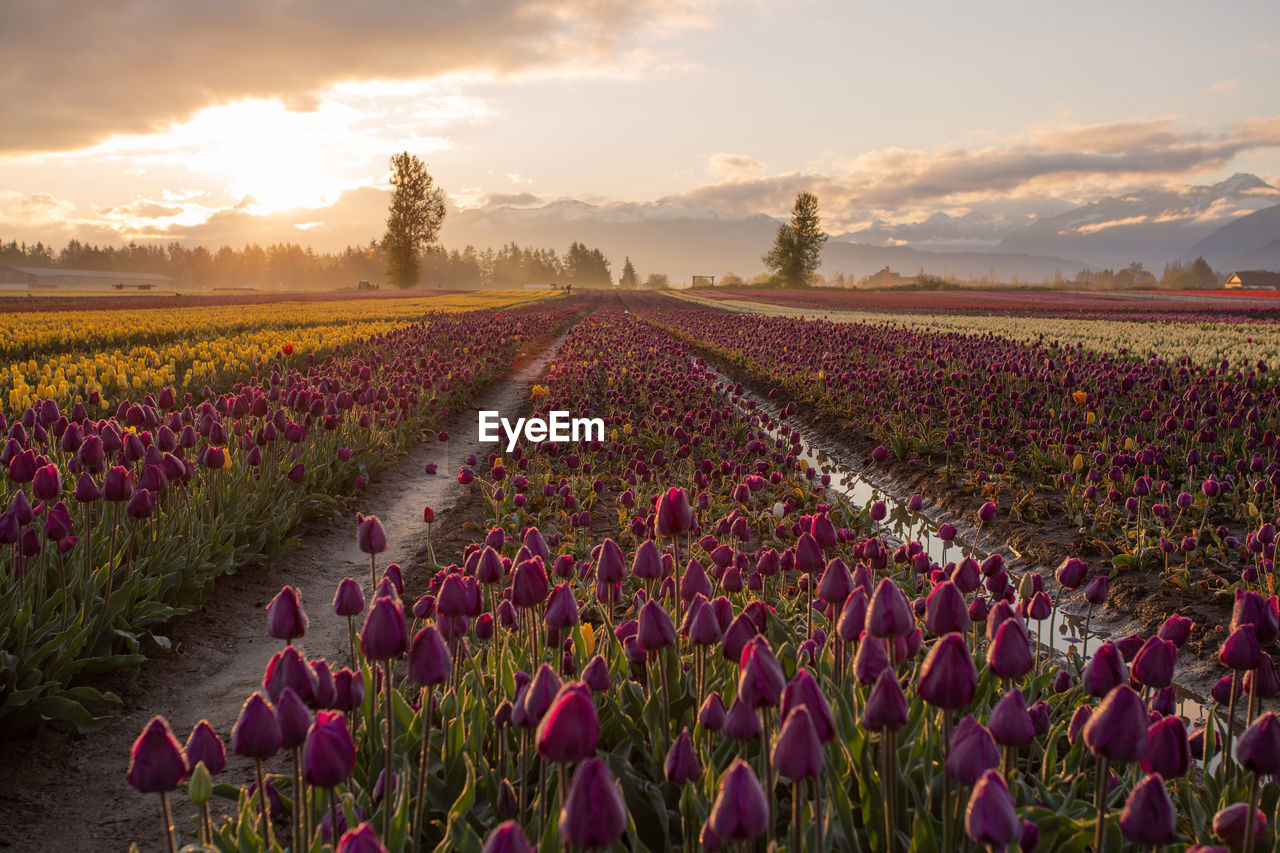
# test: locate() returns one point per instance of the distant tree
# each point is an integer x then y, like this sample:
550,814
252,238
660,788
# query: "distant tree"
657,281
1204,273
414,217
629,278
797,250
731,279
585,267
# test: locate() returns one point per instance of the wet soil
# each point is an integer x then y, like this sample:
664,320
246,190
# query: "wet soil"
64,792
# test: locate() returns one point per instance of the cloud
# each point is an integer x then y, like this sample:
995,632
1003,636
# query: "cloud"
733,166
19,210
512,200
1074,163
1224,85
139,67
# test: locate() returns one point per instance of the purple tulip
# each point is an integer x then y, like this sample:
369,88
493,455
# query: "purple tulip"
593,814
570,729
370,537
286,620
507,837
1009,655
1117,730
430,662
1071,572
1258,748
385,634
1153,664
1105,670
1229,825
711,716
1169,751
740,811
1010,723
1240,650
972,751
204,746
991,819
681,765
797,754
257,731
889,613
946,611
948,678
886,706
156,763
349,599
1149,818
655,630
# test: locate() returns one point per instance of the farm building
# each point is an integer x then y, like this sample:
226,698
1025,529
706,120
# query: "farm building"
43,280
1253,280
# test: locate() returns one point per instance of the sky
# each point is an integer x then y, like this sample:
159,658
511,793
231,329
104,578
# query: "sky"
215,121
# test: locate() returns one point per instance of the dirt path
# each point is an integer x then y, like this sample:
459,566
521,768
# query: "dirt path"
67,793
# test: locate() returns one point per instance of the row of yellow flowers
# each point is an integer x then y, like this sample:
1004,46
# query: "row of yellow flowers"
63,331
1204,342
204,354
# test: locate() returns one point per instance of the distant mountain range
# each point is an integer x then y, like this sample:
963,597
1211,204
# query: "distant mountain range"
1234,224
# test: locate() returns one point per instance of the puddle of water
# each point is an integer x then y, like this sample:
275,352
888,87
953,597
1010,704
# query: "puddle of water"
901,525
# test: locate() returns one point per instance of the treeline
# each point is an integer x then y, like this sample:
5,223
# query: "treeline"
293,267
1197,275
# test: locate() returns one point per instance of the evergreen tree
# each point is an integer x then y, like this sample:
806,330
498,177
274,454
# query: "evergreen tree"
629,278
797,250
414,217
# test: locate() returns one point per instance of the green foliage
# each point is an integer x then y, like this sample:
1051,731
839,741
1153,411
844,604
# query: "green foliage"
797,249
414,217
629,279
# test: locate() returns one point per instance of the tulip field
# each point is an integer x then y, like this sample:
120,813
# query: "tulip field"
690,635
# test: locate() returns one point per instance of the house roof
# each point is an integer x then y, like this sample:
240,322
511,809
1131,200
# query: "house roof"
1258,278
50,272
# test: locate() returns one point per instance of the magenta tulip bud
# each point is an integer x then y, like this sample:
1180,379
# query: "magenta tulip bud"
156,763
1117,730
886,707
836,583
349,599
948,678
1169,751
204,746
1177,630
673,516
712,713
1071,572
507,837
1010,723
987,513
257,731
385,634
1153,664
1105,670
681,765
972,751
529,587
740,811
286,620
798,752
1096,591
741,722
761,679
540,694
1229,825
889,614
596,674
1258,749
293,717
655,630
1240,650
362,839
853,616
1009,655
430,662
593,814
946,611
1079,720
803,692
570,730
1149,818
1263,680
1252,609
991,820
370,537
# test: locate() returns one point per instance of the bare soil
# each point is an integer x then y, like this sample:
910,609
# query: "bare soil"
60,791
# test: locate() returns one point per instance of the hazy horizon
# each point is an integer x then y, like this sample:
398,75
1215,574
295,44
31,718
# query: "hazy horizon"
240,123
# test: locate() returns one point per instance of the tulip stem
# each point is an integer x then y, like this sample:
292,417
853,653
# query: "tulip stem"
262,801
796,837
427,699
1100,833
947,829
1252,816
351,639
887,782
299,824
373,574
333,818
817,810
390,781
167,817
1231,723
